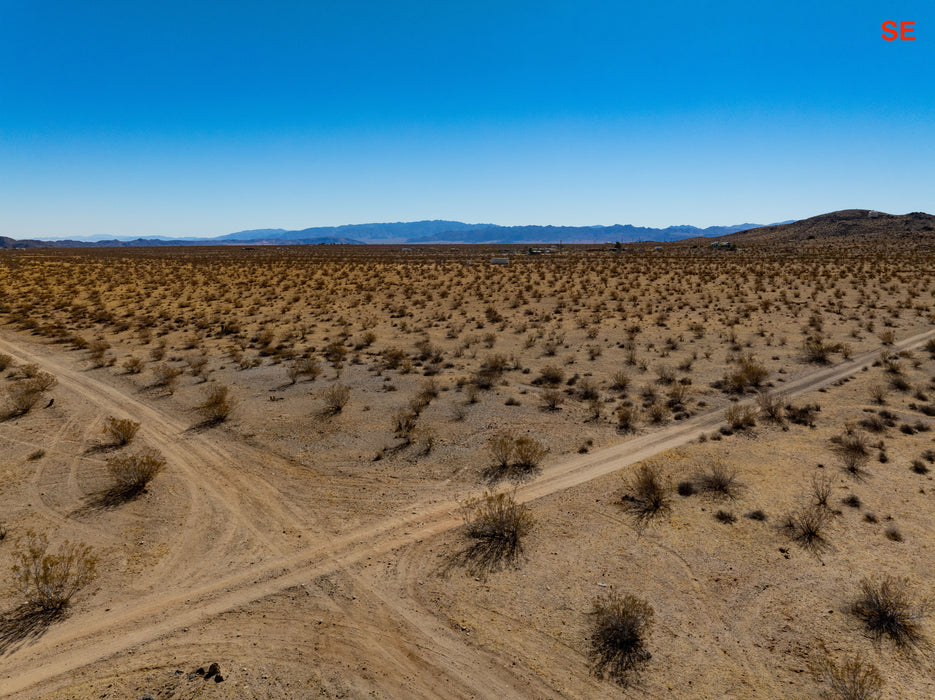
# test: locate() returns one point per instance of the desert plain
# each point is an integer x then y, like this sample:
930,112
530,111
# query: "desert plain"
737,439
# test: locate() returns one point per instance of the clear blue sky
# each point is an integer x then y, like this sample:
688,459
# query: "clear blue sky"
202,118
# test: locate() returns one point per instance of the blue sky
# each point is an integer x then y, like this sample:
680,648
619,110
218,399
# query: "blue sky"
202,118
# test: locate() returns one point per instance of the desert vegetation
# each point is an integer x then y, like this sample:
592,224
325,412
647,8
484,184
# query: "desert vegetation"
50,579
359,386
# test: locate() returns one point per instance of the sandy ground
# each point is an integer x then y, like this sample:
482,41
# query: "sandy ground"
277,547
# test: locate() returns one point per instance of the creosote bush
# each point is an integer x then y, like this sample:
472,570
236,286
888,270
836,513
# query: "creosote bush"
618,637
166,376
336,398
740,417
522,454
217,405
49,581
528,452
22,397
121,430
132,473
886,609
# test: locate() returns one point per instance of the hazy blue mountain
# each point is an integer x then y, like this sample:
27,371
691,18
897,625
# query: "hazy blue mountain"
400,231
415,232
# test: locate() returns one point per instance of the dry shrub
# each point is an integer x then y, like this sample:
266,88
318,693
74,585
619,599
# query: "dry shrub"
165,376
121,430
303,367
5,361
852,680
771,406
821,490
818,350
626,417
740,417
496,524
528,452
718,481
133,365
807,526
618,637
501,448
132,473
336,398
886,609
802,415
749,374
392,357
22,397
550,375
217,406
551,399
853,446
405,422
647,495
49,581
657,412
620,381
514,458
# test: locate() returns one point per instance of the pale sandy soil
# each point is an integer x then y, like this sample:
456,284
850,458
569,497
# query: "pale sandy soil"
277,546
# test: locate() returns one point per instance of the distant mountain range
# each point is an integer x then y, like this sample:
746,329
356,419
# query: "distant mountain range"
414,232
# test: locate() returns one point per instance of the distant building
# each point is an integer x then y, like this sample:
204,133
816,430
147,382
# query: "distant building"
499,261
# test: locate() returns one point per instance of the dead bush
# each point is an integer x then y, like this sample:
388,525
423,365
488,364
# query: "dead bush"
49,581
886,608
818,350
620,381
718,481
821,490
5,361
121,431
808,527
618,636
853,447
852,680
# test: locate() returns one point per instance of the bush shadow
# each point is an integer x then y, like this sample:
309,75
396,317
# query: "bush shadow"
110,498
24,623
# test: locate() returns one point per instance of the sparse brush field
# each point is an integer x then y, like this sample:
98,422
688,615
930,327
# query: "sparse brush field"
289,438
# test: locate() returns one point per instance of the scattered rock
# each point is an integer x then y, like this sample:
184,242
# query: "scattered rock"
218,678
213,670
